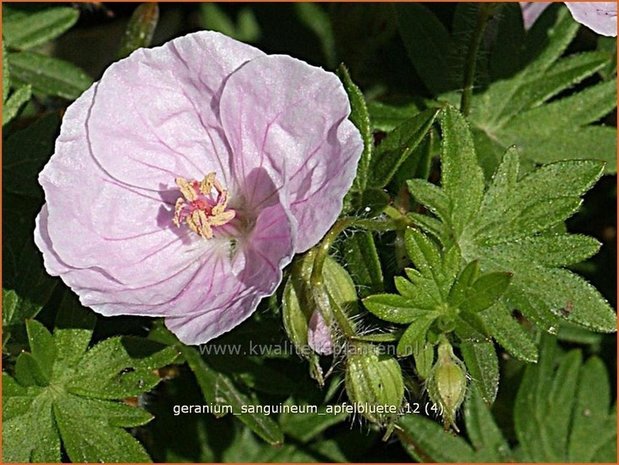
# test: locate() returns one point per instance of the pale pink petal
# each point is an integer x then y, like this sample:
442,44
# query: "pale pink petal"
531,11
155,114
107,228
319,335
95,221
235,293
600,17
290,118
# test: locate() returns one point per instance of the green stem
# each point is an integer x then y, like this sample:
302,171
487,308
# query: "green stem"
322,250
471,57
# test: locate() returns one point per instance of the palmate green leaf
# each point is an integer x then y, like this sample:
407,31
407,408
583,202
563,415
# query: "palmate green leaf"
553,392
427,441
78,425
72,330
507,231
120,367
140,30
32,435
29,30
514,111
42,348
307,426
509,333
461,177
15,102
548,38
484,434
593,435
562,414
49,402
47,75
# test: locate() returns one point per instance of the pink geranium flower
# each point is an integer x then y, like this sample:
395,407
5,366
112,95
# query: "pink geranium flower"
600,17
187,178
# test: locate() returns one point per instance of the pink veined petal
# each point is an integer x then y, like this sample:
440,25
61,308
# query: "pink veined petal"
234,294
600,17
319,335
290,119
531,11
95,221
155,114
98,289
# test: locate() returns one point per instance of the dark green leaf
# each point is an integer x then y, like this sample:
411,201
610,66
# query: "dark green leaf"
509,333
73,329
461,177
42,347
218,388
414,336
592,425
431,197
399,144
48,75
360,118
483,367
36,28
362,260
485,291
548,38
120,367
32,436
78,429
17,99
140,30
427,441
544,403
505,56
394,308
482,430
385,117
428,45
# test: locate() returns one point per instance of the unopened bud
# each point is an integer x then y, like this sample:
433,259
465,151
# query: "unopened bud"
319,335
374,383
447,384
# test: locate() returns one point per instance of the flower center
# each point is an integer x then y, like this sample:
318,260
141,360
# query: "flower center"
202,205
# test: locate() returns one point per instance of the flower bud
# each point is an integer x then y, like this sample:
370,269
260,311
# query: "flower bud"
374,383
319,335
447,384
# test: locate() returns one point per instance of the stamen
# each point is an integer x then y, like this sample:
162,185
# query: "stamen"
200,208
